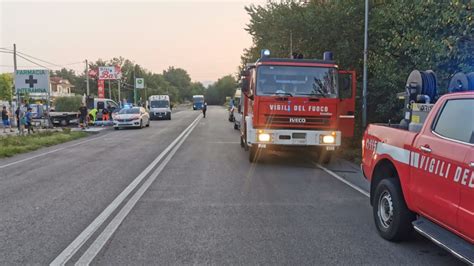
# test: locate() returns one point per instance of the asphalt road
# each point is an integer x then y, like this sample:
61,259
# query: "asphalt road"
201,202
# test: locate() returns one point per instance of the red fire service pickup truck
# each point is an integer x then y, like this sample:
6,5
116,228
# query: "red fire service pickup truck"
299,103
423,177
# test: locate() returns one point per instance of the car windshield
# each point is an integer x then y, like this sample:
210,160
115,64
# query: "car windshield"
297,81
159,104
130,111
198,99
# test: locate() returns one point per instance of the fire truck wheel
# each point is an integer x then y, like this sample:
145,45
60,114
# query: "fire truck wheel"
253,154
391,214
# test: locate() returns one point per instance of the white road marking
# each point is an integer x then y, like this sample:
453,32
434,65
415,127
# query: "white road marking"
49,152
102,239
343,180
85,235
224,142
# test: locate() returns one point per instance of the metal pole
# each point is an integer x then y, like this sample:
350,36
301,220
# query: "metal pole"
134,89
110,91
14,74
87,78
364,82
120,101
291,44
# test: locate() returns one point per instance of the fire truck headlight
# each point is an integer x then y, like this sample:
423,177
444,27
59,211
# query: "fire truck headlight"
264,137
329,139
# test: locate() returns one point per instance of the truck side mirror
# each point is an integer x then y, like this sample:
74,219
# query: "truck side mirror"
245,85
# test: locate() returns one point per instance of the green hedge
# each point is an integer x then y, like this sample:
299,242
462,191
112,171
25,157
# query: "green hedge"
68,104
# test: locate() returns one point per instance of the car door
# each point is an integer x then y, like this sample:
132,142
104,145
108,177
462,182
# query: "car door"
438,150
347,94
466,202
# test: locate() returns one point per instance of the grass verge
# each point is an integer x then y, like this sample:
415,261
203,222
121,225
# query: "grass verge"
12,145
351,151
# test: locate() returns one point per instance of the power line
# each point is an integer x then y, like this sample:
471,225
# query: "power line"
44,61
33,62
13,66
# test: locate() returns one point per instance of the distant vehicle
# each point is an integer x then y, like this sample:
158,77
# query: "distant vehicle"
101,103
66,118
159,107
304,104
198,102
132,117
423,177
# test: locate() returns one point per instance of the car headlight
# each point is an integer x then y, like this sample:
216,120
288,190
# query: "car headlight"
263,137
328,139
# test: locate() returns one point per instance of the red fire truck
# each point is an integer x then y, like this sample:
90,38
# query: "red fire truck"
299,103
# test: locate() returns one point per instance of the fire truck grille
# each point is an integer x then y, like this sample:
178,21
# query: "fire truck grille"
298,120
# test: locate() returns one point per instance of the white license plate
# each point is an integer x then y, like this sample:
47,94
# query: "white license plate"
330,148
299,141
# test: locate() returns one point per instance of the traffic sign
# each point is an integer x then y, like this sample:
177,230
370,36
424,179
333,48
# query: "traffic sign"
32,81
140,83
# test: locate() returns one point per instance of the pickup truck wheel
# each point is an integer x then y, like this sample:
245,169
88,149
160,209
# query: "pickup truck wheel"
392,216
64,122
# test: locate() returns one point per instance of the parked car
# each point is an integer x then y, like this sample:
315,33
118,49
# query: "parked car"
132,117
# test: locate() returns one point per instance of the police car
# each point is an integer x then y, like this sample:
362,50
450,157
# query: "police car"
136,117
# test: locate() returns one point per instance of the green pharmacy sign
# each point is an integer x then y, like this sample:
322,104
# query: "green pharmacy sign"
32,81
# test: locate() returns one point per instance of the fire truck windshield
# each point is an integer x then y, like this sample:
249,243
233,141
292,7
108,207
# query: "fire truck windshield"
297,81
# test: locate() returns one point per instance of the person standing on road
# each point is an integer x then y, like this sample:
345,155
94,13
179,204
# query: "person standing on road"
105,114
204,109
83,116
29,120
18,114
6,120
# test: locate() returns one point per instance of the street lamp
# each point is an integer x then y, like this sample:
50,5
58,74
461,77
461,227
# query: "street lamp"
364,82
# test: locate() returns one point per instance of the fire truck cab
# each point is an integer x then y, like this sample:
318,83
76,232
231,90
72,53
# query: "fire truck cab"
298,103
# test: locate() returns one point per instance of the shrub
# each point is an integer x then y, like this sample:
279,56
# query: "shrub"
68,104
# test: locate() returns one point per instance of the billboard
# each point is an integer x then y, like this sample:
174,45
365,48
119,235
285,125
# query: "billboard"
110,72
100,89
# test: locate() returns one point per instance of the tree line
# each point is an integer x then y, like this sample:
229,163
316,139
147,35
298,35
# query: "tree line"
403,36
173,81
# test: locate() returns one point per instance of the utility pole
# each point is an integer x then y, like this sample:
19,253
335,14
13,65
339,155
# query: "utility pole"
291,44
364,82
87,78
134,88
14,74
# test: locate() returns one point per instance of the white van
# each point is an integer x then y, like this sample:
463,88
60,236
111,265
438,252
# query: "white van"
159,107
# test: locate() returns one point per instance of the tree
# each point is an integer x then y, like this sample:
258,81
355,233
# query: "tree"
217,92
6,86
179,79
403,35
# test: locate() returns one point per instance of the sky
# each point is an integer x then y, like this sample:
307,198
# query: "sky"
206,38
